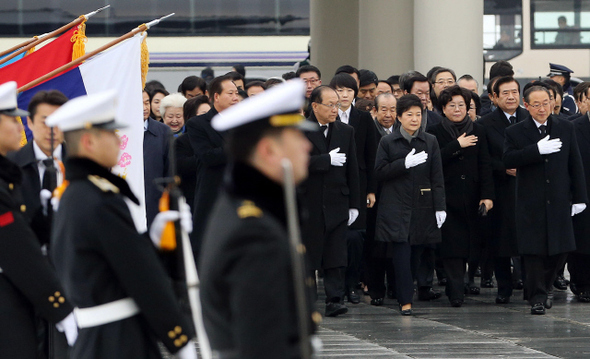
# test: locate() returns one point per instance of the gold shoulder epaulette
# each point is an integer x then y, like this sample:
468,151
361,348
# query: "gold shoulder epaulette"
249,209
103,184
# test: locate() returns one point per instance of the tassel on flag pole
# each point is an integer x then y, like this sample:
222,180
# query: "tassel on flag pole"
31,44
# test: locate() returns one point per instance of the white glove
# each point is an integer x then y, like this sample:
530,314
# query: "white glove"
578,208
547,146
414,159
189,351
69,326
353,214
162,218
44,196
441,216
337,159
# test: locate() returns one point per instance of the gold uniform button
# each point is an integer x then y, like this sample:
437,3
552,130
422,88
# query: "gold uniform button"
56,305
171,334
177,329
23,208
183,338
52,299
178,342
10,186
316,317
61,300
57,294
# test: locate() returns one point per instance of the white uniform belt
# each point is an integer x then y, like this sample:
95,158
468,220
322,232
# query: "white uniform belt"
106,313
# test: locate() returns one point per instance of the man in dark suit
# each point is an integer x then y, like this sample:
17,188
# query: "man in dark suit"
579,261
581,96
156,146
111,273
331,194
550,189
207,145
418,85
503,239
36,156
365,138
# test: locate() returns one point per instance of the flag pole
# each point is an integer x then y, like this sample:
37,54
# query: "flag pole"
141,28
29,44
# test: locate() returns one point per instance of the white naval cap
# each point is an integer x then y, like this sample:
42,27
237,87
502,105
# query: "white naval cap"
278,106
8,103
88,111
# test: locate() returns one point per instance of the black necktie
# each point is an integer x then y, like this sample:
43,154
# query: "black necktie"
512,120
50,175
543,130
323,129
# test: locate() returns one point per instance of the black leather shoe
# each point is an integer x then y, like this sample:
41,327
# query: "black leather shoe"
502,300
584,297
428,294
518,284
378,302
406,312
538,309
548,303
353,296
391,293
471,288
487,283
560,283
456,303
335,309
574,288
442,282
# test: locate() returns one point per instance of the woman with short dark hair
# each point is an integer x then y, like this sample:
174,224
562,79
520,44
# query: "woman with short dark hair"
469,186
412,199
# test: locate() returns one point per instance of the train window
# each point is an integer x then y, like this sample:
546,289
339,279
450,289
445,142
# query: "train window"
502,29
193,17
560,24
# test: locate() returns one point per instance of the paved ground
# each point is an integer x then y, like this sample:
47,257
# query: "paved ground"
479,329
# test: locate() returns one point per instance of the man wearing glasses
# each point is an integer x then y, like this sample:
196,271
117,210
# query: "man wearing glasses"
312,77
550,189
331,195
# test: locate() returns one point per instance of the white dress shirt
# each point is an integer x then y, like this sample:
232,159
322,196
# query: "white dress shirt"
40,156
344,115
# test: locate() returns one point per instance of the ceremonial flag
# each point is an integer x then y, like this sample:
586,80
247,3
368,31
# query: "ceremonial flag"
14,59
40,62
118,68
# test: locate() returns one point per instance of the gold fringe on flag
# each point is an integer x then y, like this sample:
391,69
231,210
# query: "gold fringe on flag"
32,49
23,135
79,39
145,60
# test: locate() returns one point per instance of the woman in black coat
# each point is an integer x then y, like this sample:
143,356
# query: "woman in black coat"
412,200
468,185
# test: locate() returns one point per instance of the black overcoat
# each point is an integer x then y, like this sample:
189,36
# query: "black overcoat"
246,254
156,146
546,186
582,220
100,258
328,193
28,283
186,167
503,216
408,198
468,179
365,138
211,159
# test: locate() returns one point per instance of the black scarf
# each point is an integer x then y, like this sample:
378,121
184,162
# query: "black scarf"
456,129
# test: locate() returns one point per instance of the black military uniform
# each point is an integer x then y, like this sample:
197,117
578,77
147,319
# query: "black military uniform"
250,281
101,258
245,256
28,283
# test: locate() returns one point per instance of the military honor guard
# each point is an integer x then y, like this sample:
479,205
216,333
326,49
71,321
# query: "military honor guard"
125,303
248,271
28,283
